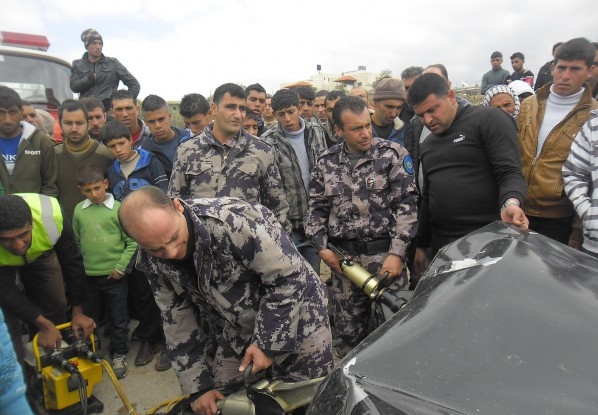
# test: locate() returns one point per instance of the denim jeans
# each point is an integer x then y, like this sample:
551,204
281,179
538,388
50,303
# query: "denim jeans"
306,249
110,297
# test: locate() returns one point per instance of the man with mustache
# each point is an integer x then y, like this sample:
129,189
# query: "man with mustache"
362,199
77,150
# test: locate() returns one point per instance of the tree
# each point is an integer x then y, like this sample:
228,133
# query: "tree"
385,73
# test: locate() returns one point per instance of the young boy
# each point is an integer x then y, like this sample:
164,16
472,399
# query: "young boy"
132,169
250,123
107,254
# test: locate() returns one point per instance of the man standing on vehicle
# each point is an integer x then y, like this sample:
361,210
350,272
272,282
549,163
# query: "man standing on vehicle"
96,75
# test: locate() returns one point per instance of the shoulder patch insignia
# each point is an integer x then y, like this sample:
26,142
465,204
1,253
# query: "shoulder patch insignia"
408,164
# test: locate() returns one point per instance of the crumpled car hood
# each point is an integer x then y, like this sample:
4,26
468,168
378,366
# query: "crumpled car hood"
503,322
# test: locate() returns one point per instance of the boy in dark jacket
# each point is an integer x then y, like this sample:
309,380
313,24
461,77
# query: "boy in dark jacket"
132,169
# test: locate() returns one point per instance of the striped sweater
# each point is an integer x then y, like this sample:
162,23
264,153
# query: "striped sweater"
580,174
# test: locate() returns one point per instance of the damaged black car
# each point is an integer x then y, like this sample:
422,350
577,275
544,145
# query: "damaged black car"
504,321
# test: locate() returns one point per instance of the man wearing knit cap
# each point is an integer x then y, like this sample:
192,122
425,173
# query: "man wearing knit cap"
389,98
96,75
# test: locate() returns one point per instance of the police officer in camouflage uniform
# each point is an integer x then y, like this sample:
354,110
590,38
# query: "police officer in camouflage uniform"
232,289
224,160
297,144
363,200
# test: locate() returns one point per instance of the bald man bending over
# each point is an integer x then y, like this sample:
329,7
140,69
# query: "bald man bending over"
232,289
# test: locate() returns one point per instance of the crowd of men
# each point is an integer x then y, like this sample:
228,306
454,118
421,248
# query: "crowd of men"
233,215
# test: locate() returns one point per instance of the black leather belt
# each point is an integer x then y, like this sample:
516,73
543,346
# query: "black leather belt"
362,246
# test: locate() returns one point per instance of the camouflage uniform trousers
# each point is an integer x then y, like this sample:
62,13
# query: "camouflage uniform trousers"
312,360
353,310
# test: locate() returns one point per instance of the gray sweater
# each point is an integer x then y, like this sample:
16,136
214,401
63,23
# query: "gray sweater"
492,78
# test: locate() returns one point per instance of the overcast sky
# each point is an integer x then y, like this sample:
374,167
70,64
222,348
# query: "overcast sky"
177,47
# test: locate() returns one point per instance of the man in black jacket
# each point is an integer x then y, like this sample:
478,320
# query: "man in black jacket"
96,75
471,164
545,72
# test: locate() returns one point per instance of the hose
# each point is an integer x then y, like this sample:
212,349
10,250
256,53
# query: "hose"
82,392
106,365
167,405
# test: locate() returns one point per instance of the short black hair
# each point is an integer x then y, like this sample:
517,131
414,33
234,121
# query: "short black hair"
71,105
555,46
112,130
255,87
9,98
233,90
518,55
193,104
426,85
90,173
15,213
153,103
334,95
252,116
322,93
91,103
579,48
496,54
412,72
354,104
123,94
305,92
441,68
284,98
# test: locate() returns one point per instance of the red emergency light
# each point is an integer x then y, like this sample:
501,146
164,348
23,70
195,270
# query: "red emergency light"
24,40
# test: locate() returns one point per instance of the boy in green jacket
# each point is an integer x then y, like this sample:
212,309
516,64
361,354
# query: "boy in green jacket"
107,254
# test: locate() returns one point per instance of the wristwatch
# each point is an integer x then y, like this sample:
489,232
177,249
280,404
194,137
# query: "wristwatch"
510,201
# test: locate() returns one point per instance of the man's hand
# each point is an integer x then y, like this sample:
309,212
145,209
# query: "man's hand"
420,261
258,357
393,265
515,215
115,275
331,259
80,322
49,336
206,403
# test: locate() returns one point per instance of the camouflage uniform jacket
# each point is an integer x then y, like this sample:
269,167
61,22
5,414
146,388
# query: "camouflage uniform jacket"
374,199
249,285
204,168
288,164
